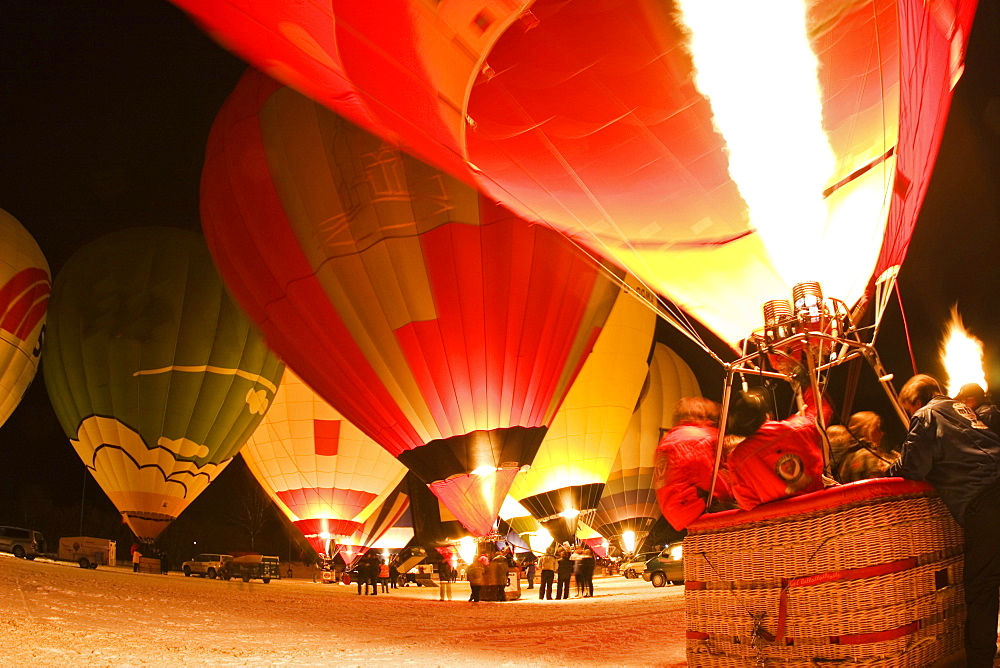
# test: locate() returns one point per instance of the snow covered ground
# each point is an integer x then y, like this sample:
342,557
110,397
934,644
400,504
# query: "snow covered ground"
57,613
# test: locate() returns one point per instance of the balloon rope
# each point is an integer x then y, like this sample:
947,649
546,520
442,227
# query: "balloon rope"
906,327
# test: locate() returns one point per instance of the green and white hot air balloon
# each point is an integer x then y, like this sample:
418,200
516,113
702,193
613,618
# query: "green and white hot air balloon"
156,375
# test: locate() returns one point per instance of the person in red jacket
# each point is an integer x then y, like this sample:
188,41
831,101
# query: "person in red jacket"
685,458
777,459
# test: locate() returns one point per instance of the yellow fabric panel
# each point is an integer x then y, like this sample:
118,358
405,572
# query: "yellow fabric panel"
357,303
260,475
842,263
740,267
127,466
670,379
584,437
586,532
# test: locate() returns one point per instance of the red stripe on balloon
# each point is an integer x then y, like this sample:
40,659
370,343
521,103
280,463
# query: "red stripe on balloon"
20,299
344,502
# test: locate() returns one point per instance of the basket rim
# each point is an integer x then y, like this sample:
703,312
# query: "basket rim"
827,499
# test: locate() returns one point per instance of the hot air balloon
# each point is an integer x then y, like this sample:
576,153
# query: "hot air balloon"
387,526
566,479
443,326
629,501
321,471
156,375
661,134
24,295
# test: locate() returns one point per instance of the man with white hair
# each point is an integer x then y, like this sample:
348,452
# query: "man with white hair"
973,396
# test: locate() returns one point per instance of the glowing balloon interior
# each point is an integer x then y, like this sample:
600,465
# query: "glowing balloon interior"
713,154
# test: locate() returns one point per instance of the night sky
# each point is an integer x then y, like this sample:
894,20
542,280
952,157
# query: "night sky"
106,107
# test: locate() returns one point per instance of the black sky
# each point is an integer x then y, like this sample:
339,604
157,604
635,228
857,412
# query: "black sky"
106,107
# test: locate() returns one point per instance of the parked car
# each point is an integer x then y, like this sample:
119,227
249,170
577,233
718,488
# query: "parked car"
22,543
207,565
633,567
667,566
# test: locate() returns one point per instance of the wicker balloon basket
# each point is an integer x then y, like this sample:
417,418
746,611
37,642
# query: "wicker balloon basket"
863,574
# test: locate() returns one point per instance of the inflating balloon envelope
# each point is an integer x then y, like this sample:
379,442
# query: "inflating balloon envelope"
389,526
445,327
322,471
156,375
721,151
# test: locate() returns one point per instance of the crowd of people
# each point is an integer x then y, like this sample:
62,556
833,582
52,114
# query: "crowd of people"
489,574
952,443
371,573
564,564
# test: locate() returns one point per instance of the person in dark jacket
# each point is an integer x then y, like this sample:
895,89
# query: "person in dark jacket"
564,572
446,575
529,570
360,574
393,572
952,449
585,571
371,573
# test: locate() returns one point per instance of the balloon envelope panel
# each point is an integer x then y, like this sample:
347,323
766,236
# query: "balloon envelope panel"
575,458
156,375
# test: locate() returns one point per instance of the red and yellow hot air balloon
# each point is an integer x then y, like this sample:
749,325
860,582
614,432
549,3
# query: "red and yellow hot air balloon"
322,471
24,295
662,134
445,327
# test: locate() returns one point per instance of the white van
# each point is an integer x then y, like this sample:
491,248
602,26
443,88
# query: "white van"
87,551
22,543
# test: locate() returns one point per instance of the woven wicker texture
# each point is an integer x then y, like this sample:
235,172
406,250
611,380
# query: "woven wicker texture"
792,590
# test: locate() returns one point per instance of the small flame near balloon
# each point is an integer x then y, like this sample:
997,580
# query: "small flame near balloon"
962,356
